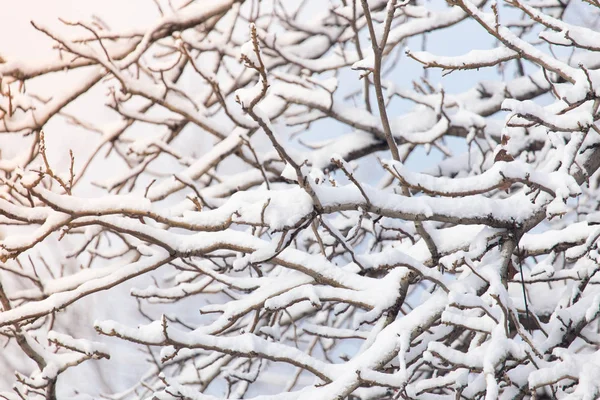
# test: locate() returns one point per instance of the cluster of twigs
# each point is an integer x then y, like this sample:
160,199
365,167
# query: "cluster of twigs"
308,278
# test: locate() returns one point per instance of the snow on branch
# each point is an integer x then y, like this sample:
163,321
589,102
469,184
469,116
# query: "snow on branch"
264,200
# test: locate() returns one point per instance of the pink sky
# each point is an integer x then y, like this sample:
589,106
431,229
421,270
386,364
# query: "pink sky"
18,39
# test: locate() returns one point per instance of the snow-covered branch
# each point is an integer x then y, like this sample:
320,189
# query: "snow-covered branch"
263,200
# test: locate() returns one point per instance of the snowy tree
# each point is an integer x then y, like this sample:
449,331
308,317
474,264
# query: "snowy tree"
305,200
